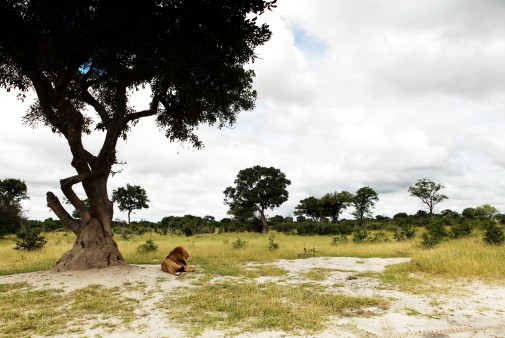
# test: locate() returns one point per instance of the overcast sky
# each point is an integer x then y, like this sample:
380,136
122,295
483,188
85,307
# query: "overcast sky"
351,93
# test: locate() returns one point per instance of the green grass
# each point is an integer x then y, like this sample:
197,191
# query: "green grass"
249,307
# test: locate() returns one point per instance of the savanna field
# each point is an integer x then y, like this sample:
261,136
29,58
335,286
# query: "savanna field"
216,253
225,285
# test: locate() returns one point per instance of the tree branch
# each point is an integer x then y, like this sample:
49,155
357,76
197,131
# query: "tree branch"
66,187
54,203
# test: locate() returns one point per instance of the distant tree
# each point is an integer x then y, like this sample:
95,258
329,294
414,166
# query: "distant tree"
422,214
448,213
486,211
310,207
468,213
12,192
131,198
427,192
85,59
276,219
400,215
333,204
260,188
363,201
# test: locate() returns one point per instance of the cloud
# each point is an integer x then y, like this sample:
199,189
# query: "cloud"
350,93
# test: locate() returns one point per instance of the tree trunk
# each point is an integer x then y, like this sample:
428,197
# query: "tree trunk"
94,248
263,220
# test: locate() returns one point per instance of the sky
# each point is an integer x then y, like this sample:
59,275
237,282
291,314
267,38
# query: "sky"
351,93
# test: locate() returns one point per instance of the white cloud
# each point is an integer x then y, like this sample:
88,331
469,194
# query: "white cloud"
350,93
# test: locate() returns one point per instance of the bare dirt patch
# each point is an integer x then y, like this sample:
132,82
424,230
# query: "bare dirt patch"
471,309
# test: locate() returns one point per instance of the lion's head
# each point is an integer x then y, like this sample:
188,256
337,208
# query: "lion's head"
179,254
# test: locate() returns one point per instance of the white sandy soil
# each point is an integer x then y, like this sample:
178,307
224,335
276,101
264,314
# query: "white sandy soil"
470,309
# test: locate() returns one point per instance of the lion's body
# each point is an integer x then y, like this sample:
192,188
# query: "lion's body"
176,262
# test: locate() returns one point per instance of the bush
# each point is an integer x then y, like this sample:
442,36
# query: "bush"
360,235
430,240
308,253
494,234
405,231
379,237
339,240
148,246
239,244
461,229
272,246
29,238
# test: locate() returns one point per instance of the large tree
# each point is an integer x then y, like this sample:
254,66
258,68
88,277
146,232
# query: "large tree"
84,58
363,201
334,203
129,198
427,191
258,188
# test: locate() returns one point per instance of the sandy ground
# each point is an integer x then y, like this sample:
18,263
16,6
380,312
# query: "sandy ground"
471,309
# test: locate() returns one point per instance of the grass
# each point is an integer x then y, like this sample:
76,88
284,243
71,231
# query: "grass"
249,306
26,312
215,254
238,303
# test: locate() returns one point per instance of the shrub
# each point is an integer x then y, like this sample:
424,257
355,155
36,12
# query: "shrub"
379,237
29,238
308,253
360,235
272,246
239,244
148,246
494,234
339,240
461,229
405,231
430,240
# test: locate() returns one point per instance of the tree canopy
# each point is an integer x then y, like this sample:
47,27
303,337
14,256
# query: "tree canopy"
427,191
84,59
258,188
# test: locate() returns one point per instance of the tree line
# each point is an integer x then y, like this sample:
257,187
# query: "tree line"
259,188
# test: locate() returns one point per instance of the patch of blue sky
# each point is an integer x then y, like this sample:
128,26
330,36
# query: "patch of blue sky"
308,44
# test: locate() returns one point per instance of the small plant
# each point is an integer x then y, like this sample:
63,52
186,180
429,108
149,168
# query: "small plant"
360,235
148,246
308,253
239,244
342,239
272,246
494,234
29,238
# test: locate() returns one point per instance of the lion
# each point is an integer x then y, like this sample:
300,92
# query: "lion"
176,262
